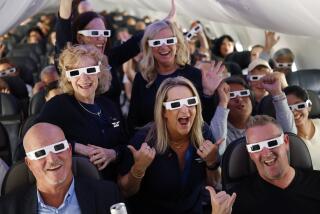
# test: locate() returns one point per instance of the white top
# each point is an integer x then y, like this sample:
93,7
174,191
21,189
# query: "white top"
314,145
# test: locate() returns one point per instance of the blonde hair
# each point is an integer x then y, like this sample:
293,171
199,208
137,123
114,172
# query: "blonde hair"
158,134
72,55
148,63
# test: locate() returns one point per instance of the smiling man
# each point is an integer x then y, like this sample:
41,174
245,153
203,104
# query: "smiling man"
277,187
49,158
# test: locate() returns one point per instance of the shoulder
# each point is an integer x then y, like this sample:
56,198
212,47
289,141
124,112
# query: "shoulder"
316,122
18,200
61,98
308,176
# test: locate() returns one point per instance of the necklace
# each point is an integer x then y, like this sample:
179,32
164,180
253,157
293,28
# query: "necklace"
97,114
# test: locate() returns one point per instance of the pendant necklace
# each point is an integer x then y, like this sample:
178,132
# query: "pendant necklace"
97,114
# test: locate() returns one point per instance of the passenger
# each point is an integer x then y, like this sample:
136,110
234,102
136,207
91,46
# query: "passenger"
224,46
308,129
235,108
47,75
165,55
91,123
255,52
258,69
173,158
284,59
9,69
56,190
277,187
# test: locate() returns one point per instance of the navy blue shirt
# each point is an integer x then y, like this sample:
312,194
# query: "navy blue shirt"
165,188
83,127
143,98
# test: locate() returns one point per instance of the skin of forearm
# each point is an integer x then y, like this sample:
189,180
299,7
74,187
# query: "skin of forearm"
129,185
65,9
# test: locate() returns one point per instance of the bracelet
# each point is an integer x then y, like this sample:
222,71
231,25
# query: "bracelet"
215,165
279,97
136,175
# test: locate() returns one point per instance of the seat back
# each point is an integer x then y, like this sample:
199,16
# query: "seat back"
36,103
19,175
236,163
307,79
5,152
10,117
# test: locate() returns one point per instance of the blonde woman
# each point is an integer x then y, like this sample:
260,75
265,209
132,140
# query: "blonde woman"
90,122
165,54
172,159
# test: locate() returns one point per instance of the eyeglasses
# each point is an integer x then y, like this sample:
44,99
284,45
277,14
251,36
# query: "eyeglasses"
270,144
193,32
176,104
44,151
242,93
300,106
86,70
283,65
95,33
7,72
255,77
160,42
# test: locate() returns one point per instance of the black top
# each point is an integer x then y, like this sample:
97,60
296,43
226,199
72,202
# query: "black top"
83,127
164,188
143,99
117,55
255,195
94,196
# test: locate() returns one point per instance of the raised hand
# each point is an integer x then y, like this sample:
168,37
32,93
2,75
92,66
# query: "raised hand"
224,96
212,77
272,83
142,157
172,14
101,157
208,151
221,202
271,39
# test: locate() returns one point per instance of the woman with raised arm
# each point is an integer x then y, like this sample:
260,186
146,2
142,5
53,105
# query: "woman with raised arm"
165,54
173,158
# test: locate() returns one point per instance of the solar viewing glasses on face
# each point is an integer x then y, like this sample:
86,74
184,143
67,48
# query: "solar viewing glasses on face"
176,104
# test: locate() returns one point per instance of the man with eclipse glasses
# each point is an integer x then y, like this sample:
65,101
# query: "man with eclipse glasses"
57,190
277,187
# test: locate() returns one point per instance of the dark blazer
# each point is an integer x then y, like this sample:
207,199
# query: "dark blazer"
93,197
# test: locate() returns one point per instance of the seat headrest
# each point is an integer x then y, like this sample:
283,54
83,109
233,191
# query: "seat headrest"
307,79
315,109
8,105
37,102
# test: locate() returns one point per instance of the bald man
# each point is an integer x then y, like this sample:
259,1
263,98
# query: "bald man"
49,158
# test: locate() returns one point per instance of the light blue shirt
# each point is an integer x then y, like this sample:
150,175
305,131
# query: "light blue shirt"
70,203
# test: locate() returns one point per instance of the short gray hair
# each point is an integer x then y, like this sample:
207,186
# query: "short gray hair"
261,120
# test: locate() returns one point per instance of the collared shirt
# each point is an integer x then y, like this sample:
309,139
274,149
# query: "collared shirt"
70,203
